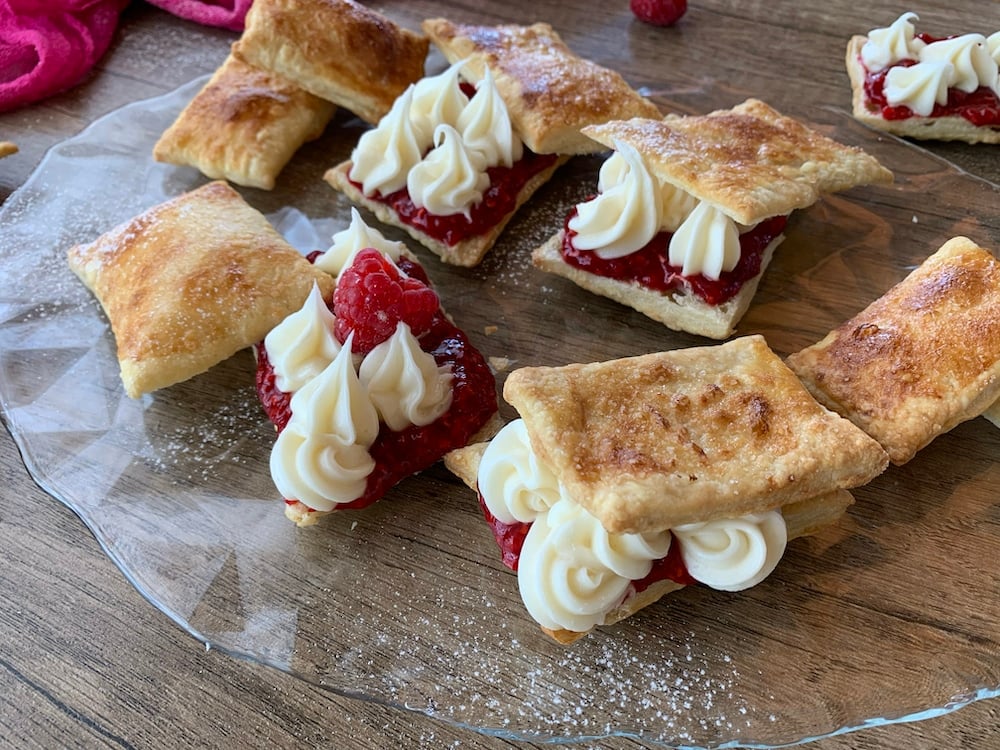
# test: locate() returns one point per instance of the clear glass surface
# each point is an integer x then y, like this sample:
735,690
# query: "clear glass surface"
890,614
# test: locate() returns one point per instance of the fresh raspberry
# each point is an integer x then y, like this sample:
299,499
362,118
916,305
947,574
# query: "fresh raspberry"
372,296
658,12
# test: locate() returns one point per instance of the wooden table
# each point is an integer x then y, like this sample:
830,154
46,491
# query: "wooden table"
86,661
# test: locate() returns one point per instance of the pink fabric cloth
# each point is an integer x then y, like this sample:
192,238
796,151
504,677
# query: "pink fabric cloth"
228,14
47,46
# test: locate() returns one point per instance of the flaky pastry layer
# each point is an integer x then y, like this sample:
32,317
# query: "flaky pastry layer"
920,359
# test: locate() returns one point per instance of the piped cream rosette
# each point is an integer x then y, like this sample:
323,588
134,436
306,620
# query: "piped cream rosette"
965,62
338,399
632,206
438,143
572,572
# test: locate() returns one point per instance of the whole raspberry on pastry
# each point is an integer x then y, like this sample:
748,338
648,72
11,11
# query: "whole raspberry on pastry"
370,385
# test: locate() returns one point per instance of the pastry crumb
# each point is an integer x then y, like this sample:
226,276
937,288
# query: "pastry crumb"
500,364
490,330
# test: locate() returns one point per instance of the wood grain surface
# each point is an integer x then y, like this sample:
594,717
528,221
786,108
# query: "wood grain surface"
86,661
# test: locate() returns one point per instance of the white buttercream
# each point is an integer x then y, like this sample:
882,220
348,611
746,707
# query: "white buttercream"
892,44
485,126
438,99
918,86
972,64
335,403
303,344
572,572
706,243
404,382
993,45
675,204
350,241
319,469
451,179
626,216
385,154
514,484
733,554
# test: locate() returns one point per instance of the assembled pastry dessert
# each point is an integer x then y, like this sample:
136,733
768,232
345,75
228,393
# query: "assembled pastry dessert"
920,359
190,282
244,125
625,480
461,151
370,385
689,210
338,50
920,86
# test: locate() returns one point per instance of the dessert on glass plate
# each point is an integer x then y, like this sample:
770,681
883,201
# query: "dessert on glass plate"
920,359
370,384
689,210
920,86
625,480
461,151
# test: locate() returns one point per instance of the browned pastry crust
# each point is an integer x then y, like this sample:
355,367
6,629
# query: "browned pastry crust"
802,518
680,309
750,161
550,92
468,252
950,128
190,282
244,125
338,50
7,148
650,442
920,359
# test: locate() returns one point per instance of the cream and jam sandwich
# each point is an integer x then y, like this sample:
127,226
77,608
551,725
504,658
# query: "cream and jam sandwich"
920,86
920,359
370,384
689,210
244,125
190,282
338,50
625,480
461,151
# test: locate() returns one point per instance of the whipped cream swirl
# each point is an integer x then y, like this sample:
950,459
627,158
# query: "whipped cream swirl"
405,383
486,127
303,344
437,99
626,216
919,87
972,64
350,241
706,243
514,484
451,178
387,153
892,44
675,204
733,554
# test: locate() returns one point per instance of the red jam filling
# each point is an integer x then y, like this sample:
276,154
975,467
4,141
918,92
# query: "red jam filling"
510,539
499,201
397,455
980,107
650,265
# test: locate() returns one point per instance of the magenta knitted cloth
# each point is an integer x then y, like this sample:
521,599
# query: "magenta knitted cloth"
47,46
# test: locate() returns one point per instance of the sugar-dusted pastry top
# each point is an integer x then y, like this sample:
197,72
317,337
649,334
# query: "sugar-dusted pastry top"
244,125
551,93
750,161
921,358
336,49
190,282
655,441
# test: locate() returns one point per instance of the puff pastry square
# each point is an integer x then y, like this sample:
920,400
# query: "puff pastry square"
244,125
751,161
336,49
651,442
190,282
551,93
920,359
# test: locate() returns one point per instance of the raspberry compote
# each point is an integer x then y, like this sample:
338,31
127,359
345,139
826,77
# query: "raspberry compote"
397,455
650,265
980,107
510,539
